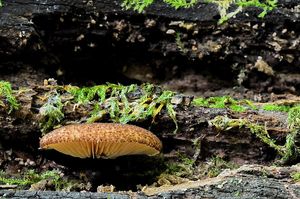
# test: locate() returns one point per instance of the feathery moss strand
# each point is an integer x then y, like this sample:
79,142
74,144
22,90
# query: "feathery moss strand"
10,100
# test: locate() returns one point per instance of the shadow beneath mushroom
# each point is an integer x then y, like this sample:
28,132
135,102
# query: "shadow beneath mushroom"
125,173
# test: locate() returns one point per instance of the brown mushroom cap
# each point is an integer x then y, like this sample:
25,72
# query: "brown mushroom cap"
106,140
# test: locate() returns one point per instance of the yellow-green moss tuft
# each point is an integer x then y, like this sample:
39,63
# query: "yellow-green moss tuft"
10,100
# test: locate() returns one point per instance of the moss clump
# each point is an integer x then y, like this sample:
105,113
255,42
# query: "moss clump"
181,168
296,176
266,6
223,5
289,151
113,100
217,165
294,118
241,105
224,102
275,107
185,167
118,103
140,5
6,92
292,150
223,123
51,112
32,177
180,44
87,94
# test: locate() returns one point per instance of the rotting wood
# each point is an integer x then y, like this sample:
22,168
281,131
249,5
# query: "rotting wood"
239,49
249,181
25,124
25,35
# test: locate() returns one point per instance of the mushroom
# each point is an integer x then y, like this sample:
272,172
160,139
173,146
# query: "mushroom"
101,140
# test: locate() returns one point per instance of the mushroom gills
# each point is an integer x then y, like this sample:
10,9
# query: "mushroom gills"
102,150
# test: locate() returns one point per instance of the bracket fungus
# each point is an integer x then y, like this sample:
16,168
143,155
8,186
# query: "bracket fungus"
102,140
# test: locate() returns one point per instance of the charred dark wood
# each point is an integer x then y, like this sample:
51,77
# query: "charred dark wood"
68,35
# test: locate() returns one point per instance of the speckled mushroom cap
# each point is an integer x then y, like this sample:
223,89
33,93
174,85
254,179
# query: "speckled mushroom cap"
101,140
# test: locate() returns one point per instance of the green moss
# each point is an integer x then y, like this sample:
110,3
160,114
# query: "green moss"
296,176
274,107
292,153
97,114
223,123
212,102
294,118
112,100
289,151
6,92
51,112
217,165
32,177
223,6
140,5
224,102
239,105
266,6
87,94
181,3
180,44
183,167
238,108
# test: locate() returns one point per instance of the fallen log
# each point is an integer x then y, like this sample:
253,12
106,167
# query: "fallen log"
251,181
63,36
58,38
251,135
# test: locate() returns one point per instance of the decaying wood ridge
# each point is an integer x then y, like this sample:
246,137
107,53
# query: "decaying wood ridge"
24,124
246,182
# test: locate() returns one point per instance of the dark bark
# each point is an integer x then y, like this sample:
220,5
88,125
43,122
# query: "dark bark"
49,35
244,183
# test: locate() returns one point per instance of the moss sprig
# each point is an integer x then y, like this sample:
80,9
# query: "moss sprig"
140,5
292,153
224,102
289,152
51,112
31,177
223,6
266,6
223,123
295,176
6,93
